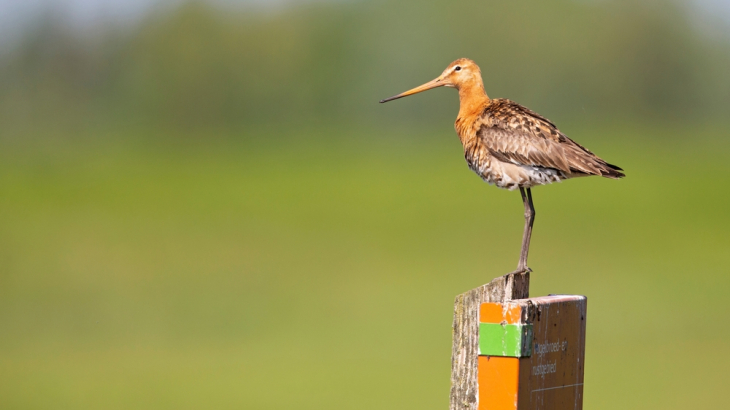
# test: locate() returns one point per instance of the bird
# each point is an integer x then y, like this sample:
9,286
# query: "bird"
511,146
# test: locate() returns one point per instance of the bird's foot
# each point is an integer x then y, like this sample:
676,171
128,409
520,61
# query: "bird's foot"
521,271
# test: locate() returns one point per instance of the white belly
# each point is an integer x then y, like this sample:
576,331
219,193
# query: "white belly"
512,176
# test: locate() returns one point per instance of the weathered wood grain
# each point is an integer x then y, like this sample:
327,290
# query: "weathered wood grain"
465,334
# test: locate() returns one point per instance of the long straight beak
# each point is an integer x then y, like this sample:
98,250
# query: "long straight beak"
438,82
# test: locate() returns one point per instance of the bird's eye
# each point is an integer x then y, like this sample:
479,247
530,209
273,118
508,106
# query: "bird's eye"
457,68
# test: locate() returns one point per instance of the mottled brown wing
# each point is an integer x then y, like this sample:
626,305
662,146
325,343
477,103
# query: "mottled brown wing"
513,133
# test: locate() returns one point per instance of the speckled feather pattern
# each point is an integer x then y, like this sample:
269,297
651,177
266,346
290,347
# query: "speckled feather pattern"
511,146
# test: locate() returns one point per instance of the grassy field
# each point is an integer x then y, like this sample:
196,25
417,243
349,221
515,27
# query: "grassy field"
263,271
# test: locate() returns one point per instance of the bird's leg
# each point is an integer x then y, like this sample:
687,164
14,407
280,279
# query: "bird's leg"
529,220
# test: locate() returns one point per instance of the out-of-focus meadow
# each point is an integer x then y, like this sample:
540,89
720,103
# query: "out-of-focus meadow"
209,209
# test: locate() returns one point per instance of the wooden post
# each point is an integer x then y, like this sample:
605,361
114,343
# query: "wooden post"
465,334
512,352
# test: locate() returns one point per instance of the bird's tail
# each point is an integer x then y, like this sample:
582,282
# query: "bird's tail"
611,171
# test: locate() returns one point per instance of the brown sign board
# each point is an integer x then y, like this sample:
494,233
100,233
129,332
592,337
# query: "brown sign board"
532,354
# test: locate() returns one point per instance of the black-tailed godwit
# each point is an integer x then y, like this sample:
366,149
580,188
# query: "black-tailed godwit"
511,146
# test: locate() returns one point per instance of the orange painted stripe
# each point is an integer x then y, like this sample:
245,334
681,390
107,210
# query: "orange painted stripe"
498,380
496,313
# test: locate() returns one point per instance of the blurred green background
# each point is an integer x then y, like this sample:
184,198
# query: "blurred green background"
205,207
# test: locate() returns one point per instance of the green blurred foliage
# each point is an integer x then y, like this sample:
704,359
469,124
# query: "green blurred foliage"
210,209
211,273
199,66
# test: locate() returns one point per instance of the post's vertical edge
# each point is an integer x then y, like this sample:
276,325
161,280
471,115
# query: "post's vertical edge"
465,335
464,351
582,356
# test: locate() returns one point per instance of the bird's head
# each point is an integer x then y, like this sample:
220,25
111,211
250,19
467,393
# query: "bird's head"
461,73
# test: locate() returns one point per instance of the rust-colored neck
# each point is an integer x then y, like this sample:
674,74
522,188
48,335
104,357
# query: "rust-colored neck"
472,99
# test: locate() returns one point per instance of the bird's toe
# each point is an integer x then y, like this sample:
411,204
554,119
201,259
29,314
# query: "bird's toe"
521,270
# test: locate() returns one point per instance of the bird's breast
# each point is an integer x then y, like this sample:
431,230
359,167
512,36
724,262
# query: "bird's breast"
502,174
479,159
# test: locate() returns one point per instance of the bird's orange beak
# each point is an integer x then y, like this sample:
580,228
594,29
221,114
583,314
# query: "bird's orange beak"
437,82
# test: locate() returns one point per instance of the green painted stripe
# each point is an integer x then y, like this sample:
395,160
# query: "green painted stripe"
505,340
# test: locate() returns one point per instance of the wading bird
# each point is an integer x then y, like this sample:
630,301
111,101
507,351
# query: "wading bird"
509,146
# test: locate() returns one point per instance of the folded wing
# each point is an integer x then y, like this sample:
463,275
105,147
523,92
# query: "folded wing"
515,134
